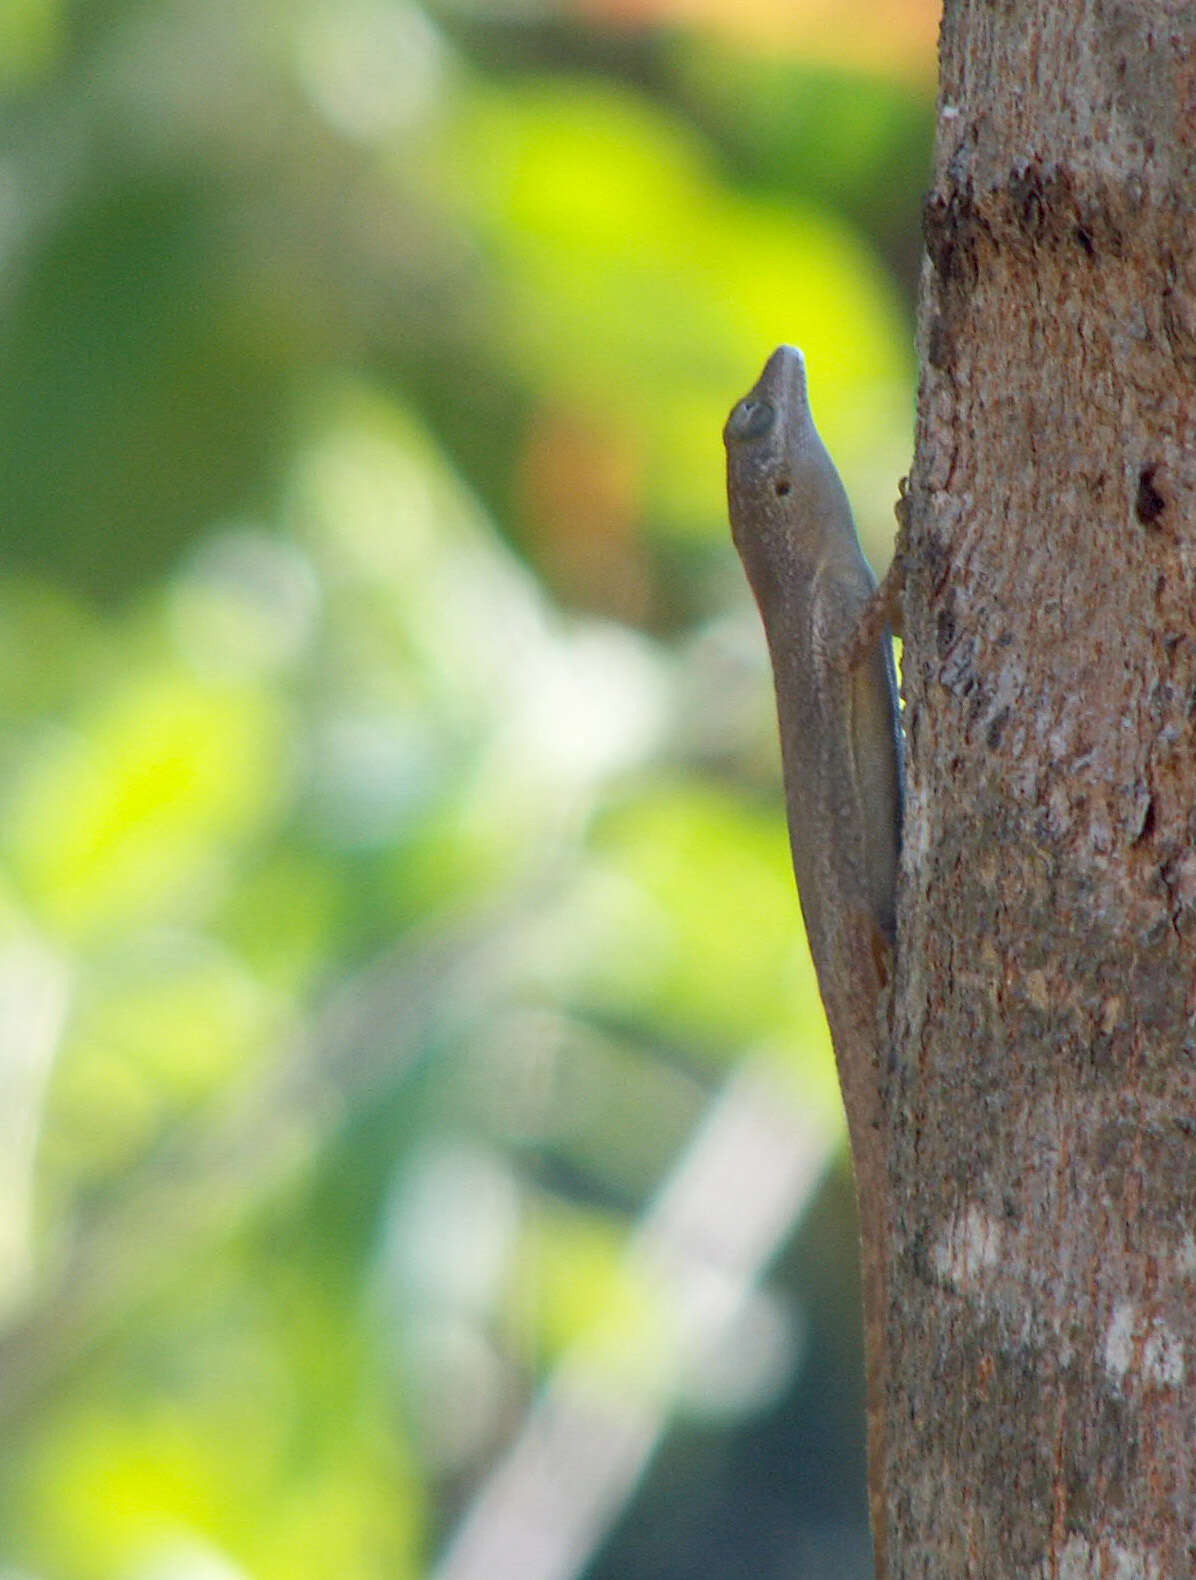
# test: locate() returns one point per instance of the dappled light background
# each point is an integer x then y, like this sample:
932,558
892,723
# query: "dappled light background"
419,1148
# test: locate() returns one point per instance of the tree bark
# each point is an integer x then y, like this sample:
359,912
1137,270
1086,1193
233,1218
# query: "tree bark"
1042,1310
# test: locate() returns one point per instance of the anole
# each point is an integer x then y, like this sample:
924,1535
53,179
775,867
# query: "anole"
841,757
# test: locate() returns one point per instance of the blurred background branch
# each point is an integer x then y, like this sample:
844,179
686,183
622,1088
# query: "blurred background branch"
700,1248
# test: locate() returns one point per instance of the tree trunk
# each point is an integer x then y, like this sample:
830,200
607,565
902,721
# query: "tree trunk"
1042,1308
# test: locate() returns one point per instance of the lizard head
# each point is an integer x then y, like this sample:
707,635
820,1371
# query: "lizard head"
781,486
768,435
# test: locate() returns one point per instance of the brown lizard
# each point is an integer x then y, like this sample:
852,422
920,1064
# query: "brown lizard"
841,755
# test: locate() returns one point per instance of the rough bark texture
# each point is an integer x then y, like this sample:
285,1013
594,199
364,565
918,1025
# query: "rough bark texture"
1042,1320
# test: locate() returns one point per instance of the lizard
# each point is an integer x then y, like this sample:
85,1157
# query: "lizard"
841,756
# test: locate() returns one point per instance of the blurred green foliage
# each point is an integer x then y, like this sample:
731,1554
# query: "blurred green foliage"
393,864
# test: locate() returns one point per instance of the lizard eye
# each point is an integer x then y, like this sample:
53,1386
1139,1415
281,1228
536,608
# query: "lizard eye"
751,419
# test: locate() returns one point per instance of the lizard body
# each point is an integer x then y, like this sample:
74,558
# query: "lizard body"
841,756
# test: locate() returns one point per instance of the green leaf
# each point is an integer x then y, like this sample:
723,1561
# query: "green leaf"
633,285
131,816
712,946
